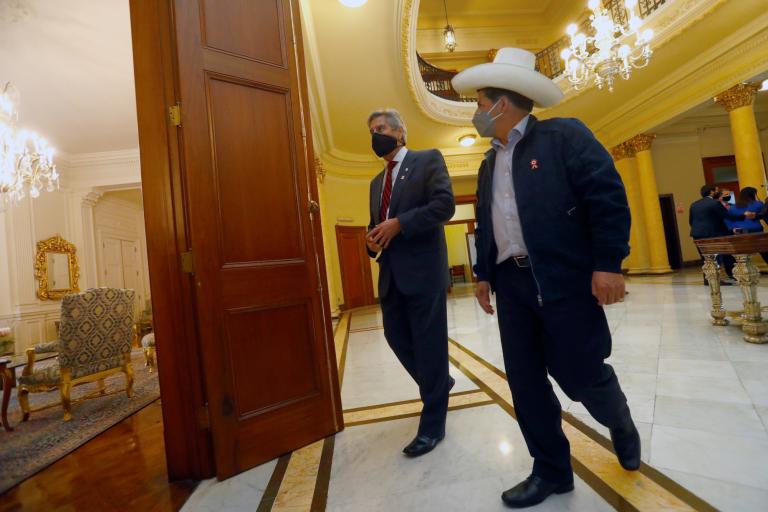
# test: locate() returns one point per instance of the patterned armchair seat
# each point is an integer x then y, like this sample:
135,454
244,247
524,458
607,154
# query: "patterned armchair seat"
95,342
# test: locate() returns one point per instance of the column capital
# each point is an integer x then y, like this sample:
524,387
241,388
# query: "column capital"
740,95
640,142
622,151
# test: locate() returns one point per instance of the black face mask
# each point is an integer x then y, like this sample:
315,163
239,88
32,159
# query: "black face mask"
383,144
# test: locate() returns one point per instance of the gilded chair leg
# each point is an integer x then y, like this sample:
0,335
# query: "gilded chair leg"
128,370
149,355
64,389
24,402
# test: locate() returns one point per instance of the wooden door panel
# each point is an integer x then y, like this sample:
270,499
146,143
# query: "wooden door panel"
255,172
267,372
263,322
247,29
355,266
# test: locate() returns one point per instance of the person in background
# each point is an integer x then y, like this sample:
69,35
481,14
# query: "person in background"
747,202
707,218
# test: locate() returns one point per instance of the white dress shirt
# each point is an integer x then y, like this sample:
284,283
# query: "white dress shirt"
399,156
507,230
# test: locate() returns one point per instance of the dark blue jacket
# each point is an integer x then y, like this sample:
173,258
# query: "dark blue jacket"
572,204
416,260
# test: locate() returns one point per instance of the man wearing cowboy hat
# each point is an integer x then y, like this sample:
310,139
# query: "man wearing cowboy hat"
552,264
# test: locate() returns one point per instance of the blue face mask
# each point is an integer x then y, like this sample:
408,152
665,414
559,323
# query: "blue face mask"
484,123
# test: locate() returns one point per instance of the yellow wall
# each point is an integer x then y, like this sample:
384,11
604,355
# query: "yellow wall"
455,237
344,201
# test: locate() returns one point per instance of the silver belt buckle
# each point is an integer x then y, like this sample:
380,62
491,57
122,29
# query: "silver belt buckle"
522,261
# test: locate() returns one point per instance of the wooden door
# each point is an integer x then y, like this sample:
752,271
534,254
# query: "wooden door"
112,259
721,171
355,266
671,233
263,321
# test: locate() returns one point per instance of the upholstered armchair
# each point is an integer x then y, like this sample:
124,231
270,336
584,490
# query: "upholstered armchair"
94,343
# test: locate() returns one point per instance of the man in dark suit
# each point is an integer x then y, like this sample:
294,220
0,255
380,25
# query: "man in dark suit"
707,220
553,264
410,201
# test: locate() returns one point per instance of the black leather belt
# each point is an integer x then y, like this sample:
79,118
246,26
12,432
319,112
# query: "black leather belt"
519,261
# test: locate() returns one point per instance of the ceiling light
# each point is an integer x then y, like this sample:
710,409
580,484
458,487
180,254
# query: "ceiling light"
467,140
449,35
764,87
353,3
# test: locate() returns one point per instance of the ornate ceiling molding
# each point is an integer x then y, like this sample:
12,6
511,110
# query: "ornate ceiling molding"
739,57
454,113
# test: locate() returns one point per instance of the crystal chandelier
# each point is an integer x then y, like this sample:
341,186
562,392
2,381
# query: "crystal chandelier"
606,54
26,159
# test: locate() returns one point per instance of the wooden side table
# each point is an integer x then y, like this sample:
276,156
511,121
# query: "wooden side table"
7,376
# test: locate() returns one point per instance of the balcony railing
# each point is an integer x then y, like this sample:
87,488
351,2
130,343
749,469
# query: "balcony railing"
438,81
548,60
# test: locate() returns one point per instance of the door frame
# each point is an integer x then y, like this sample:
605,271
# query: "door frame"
188,447
370,297
671,231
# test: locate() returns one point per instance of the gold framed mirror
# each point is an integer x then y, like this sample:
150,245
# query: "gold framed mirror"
56,268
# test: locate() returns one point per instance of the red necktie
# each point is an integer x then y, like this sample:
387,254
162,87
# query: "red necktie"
386,195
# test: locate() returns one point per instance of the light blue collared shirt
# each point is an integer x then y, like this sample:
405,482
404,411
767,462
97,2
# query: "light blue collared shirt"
507,230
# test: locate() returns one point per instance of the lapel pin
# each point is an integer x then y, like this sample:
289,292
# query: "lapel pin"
534,164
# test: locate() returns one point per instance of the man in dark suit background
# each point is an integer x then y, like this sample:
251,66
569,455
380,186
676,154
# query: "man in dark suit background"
707,220
410,201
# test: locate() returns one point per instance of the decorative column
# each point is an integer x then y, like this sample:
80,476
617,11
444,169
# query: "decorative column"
6,300
82,234
654,226
738,102
638,261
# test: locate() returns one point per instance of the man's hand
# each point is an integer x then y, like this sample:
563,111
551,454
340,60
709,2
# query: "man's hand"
607,287
372,246
385,232
750,215
483,295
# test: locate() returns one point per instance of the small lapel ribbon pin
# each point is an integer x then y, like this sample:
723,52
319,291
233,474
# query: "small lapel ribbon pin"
534,164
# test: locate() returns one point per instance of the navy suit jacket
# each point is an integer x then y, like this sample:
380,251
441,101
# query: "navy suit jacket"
416,260
707,219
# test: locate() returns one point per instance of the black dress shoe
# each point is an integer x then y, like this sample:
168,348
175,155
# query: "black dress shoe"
626,443
532,491
421,444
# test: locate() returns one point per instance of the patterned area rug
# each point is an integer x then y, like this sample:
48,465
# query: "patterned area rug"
45,438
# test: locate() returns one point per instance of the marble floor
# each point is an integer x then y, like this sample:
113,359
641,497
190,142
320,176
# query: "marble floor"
698,393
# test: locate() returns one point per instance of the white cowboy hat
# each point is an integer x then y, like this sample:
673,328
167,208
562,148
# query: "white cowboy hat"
513,69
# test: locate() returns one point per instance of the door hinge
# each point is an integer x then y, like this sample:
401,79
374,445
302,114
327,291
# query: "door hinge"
188,262
174,114
204,417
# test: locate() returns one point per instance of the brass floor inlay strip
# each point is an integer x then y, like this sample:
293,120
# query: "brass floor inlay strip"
411,408
367,329
593,461
320,498
270,493
298,487
341,340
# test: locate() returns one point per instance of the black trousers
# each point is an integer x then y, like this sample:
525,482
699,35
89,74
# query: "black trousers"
569,339
416,328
